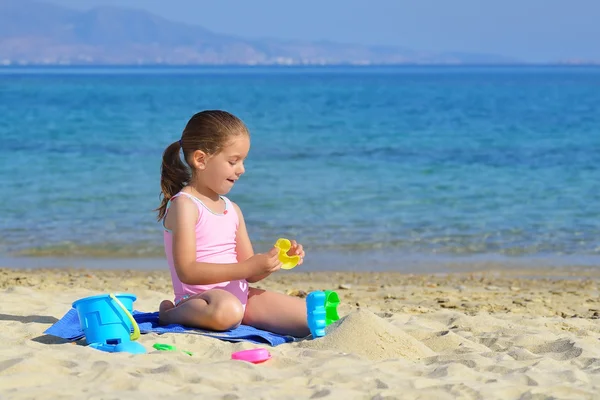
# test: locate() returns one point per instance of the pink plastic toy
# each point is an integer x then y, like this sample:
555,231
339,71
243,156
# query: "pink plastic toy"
254,356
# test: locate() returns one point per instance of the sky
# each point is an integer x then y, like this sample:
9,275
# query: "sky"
530,30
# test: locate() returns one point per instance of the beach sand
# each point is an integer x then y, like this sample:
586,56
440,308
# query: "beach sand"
487,334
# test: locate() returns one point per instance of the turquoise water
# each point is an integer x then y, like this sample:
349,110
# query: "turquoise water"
397,162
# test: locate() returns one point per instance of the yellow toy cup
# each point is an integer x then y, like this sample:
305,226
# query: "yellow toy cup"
288,261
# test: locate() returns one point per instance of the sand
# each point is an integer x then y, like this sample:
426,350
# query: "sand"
482,335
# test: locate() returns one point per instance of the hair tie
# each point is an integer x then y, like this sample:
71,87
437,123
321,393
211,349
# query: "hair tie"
180,144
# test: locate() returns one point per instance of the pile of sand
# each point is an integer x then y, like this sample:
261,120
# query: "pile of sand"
364,333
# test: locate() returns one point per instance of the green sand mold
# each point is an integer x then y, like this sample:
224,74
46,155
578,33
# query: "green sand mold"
168,347
332,300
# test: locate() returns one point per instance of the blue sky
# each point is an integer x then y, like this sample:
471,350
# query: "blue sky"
531,30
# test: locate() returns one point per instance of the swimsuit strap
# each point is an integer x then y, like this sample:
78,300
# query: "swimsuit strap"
189,196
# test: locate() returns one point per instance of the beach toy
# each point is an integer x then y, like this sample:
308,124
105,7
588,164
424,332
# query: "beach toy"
107,322
315,313
284,246
255,356
332,300
168,347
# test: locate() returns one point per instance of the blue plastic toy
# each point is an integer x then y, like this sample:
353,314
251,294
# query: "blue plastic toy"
107,322
315,310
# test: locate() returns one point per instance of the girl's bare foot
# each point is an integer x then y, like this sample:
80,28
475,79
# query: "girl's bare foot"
165,306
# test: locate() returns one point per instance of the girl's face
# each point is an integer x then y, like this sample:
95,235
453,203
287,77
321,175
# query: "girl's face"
220,171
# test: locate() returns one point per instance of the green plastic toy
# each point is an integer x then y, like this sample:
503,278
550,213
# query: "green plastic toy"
168,347
332,300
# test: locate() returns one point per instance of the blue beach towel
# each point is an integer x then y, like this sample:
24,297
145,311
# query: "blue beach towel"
68,328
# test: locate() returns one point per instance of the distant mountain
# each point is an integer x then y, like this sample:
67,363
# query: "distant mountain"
33,32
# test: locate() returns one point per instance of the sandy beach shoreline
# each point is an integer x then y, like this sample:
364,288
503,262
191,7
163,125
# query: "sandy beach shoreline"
490,333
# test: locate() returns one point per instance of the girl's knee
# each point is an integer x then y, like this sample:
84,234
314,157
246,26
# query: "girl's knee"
226,314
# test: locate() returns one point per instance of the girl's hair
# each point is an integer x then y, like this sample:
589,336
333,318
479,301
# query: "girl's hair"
208,131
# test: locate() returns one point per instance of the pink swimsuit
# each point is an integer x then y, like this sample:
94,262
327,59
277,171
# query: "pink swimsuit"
215,243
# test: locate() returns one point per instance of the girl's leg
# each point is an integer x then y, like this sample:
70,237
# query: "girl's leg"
276,312
214,309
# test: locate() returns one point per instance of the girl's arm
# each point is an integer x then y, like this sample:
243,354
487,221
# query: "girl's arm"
181,220
244,248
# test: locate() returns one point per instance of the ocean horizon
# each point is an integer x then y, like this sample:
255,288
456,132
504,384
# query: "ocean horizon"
371,168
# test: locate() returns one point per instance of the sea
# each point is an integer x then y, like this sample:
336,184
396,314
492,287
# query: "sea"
390,168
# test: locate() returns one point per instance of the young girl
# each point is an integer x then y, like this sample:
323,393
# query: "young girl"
206,242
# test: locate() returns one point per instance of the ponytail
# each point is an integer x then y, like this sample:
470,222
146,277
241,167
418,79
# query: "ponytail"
173,176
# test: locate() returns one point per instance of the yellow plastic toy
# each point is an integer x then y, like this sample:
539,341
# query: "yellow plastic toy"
288,261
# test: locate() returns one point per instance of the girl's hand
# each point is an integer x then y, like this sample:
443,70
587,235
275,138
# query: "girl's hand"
296,250
265,263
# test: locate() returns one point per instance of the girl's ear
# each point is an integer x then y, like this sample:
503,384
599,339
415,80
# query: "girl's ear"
199,159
